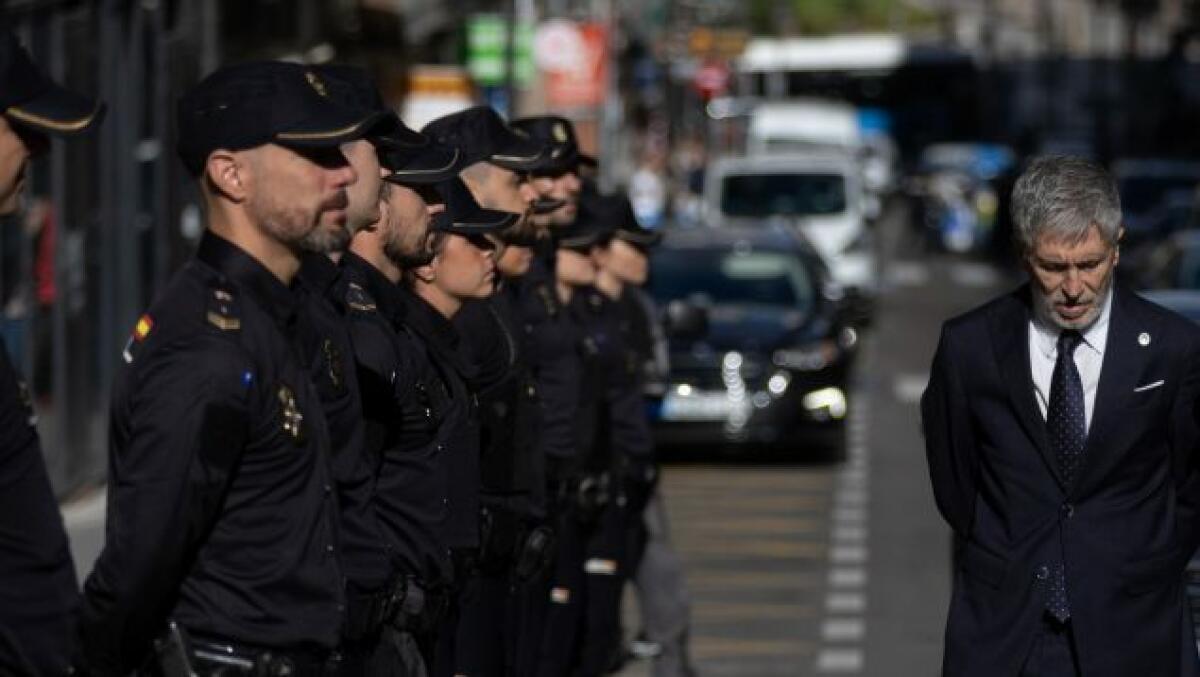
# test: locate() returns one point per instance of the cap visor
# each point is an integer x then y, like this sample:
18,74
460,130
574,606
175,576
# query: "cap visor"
433,164
479,222
57,111
582,241
331,126
521,155
589,160
390,132
646,238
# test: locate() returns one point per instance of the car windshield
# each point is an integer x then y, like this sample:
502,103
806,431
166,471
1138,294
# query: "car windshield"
783,194
730,277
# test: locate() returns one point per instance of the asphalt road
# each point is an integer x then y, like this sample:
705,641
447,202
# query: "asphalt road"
803,569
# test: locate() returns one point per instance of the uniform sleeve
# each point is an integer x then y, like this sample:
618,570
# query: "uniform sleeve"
1185,450
949,440
39,594
179,425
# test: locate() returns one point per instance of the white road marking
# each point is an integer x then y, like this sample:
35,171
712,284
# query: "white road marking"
848,554
845,602
843,630
843,533
847,577
840,660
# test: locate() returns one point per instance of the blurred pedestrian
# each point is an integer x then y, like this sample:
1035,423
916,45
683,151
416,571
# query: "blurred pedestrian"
222,547
39,595
1061,433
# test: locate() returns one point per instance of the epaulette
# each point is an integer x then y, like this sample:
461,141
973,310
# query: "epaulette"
222,309
358,299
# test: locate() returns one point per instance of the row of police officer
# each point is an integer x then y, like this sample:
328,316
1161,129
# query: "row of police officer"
387,420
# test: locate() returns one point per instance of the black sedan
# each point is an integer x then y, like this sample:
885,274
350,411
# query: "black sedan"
760,343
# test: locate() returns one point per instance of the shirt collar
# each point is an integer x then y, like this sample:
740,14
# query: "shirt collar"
318,272
428,322
276,298
1095,336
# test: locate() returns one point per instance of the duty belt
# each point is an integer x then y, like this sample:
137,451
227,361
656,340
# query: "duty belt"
221,658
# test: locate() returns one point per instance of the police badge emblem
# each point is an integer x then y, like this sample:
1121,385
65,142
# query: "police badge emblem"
293,419
316,82
560,132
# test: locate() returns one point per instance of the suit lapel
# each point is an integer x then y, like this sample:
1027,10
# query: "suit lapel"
1125,360
1010,331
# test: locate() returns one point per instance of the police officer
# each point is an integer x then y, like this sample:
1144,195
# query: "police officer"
411,411
497,159
38,592
330,358
614,320
515,541
222,514
556,184
405,403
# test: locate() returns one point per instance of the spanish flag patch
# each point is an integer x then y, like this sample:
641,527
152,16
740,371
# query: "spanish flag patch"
142,329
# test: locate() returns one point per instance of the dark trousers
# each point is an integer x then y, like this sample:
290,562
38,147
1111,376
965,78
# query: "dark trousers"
484,635
607,567
566,592
1053,652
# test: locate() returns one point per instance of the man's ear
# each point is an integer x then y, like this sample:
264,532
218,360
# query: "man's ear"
227,174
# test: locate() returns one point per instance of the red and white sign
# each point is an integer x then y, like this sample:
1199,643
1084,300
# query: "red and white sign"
711,79
574,59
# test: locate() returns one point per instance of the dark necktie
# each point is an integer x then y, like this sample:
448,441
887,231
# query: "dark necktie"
1066,424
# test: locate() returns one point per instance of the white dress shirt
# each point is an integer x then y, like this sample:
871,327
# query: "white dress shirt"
1089,357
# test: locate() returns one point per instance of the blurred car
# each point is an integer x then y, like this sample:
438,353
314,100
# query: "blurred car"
958,189
819,194
1172,263
1149,185
760,352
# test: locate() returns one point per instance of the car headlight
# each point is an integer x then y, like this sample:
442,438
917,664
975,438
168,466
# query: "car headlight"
828,401
813,357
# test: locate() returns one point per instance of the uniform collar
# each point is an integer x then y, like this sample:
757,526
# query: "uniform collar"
318,272
428,321
1095,337
382,291
276,298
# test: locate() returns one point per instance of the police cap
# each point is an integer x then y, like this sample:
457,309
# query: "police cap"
29,98
559,134
464,216
353,87
261,102
594,223
481,135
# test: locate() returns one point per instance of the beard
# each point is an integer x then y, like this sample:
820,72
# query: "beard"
404,253
326,239
294,226
1044,307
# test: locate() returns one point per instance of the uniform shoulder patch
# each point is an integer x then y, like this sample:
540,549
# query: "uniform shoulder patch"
221,310
358,299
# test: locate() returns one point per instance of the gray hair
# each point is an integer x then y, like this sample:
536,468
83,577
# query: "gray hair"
1064,196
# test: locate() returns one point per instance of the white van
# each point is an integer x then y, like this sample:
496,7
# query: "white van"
801,125
819,193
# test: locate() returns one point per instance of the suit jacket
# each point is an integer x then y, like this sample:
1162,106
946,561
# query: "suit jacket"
1124,528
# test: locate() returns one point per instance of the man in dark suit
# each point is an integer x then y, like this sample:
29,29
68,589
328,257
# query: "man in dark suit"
1061,425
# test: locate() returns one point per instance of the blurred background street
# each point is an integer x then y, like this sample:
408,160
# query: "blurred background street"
832,177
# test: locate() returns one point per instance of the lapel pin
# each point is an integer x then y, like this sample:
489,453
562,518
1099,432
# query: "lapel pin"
1143,339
